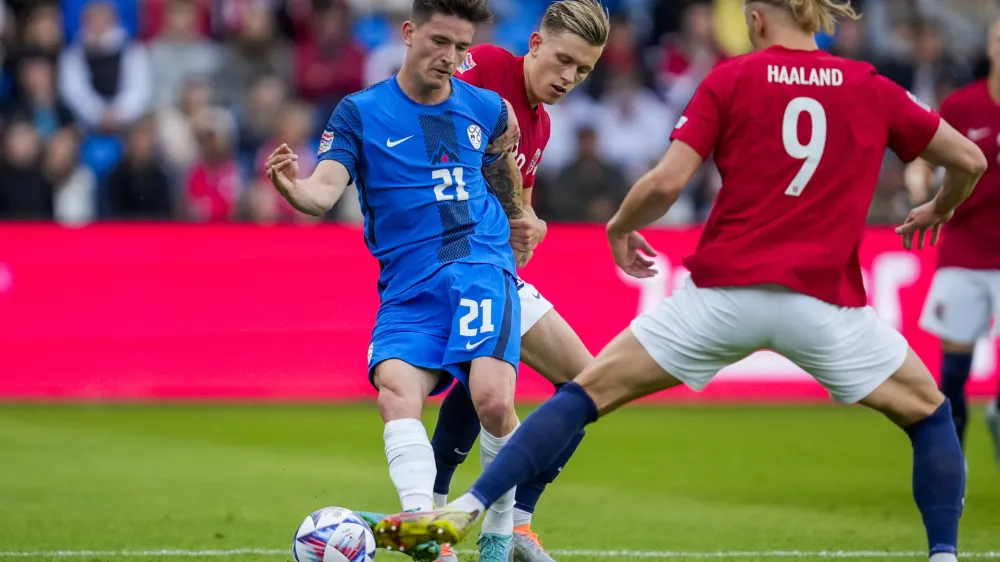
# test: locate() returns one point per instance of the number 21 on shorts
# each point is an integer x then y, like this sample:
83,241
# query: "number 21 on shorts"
465,323
811,152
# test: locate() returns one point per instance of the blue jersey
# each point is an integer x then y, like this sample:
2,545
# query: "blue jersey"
418,170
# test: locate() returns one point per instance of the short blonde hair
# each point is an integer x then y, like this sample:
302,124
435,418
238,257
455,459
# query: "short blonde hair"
584,18
815,16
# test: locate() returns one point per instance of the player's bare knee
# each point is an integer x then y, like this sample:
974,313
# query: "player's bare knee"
909,395
496,410
400,393
957,347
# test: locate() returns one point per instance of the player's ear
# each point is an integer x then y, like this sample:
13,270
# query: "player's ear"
535,43
408,29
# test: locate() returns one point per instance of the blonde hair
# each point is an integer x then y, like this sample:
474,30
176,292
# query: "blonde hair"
815,16
584,18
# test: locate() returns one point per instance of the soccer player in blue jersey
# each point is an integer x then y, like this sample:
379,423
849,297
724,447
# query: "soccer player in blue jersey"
435,207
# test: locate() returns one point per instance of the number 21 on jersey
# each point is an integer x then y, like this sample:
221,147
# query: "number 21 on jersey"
812,151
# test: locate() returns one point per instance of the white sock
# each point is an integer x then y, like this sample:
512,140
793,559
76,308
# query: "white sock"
521,517
944,557
440,500
499,519
469,504
411,463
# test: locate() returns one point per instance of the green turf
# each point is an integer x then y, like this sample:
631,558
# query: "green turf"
691,479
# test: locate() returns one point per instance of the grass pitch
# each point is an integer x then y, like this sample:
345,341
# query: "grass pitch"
232,483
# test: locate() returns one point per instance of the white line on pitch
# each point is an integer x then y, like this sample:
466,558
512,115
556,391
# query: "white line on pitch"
570,553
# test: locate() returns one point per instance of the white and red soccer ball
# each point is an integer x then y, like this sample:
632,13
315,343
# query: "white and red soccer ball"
334,534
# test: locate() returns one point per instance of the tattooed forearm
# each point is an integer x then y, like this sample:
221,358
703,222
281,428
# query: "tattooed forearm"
504,179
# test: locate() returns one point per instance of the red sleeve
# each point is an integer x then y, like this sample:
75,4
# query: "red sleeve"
701,123
912,123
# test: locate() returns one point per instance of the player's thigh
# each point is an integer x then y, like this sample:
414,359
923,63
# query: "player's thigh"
548,343
623,371
697,332
850,351
485,320
403,389
491,387
909,395
958,306
412,329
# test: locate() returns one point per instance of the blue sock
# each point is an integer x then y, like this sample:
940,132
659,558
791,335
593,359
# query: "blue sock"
454,435
938,477
527,494
538,443
955,368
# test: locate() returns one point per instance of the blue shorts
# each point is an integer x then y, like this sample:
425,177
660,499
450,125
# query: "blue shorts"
441,324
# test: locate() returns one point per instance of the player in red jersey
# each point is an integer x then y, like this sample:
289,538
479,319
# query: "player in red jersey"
966,287
798,137
561,55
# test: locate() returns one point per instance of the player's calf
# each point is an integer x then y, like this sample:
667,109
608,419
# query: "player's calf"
956,364
492,384
454,435
910,398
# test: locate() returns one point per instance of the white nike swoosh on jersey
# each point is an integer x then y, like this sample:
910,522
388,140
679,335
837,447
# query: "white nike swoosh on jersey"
391,143
470,346
462,453
978,134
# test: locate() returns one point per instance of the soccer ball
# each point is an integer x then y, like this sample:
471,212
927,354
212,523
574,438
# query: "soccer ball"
334,534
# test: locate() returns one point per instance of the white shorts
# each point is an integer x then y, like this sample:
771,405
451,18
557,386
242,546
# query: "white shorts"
533,305
960,304
696,332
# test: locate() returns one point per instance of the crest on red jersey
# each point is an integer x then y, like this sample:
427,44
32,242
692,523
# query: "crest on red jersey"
534,161
326,142
467,65
918,101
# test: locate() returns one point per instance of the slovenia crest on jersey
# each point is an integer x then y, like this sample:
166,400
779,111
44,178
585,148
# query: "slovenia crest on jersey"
918,101
326,142
475,136
467,65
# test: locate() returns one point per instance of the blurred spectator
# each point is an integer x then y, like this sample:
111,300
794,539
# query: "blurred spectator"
633,126
264,204
852,41
25,192
37,99
213,186
41,35
138,186
259,119
177,140
155,17
105,77
686,60
620,57
331,64
180,52
928,63
75,15
386,60
255,52
598,187
75,200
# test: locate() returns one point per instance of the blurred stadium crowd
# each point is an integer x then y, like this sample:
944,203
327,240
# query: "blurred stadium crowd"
166,109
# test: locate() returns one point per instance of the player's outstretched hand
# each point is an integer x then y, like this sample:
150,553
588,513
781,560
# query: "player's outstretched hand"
283,169
626,248
527,232
920,220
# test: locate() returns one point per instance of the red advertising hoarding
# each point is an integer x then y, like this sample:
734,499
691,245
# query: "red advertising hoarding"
148,312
